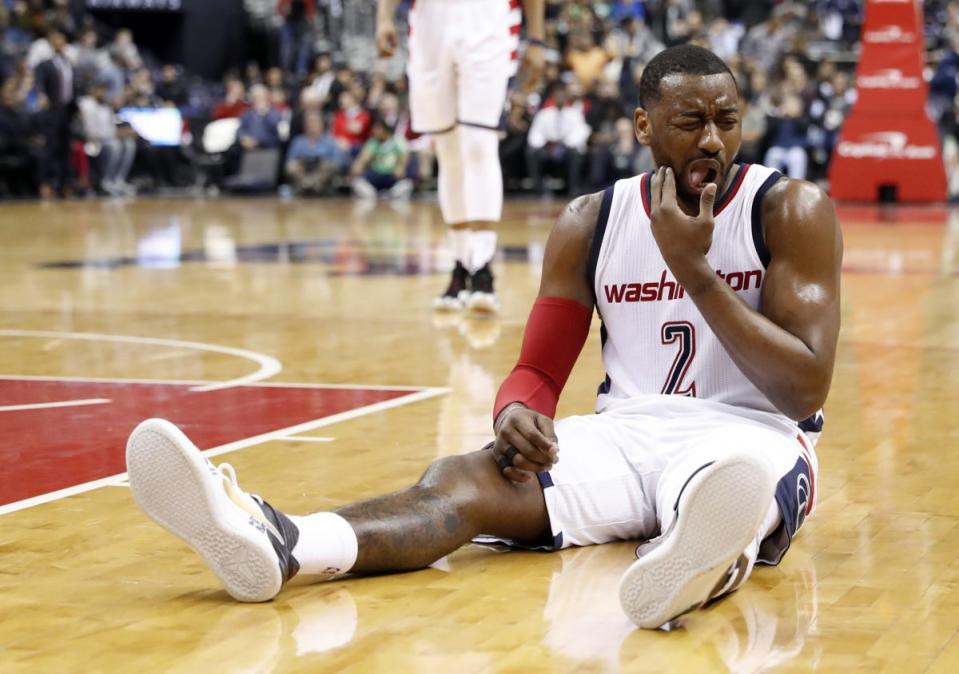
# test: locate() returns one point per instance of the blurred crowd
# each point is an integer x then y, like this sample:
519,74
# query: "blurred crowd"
314,112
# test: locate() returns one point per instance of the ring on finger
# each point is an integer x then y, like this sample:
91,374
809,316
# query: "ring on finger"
505,461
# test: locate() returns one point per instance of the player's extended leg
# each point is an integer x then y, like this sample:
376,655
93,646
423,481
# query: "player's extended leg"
483,66
254,548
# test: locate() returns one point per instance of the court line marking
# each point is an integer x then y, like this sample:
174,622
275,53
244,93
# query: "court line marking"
198,382
62,403
268,366
118,479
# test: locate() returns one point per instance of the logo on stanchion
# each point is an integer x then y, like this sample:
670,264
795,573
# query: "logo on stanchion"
891,78
889,35
885,145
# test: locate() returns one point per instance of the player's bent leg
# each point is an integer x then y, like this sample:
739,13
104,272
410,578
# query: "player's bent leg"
718,508
253,548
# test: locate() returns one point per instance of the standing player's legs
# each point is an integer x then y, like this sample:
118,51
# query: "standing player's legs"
715,502
432,76
461,109
254,548
471,199
484,67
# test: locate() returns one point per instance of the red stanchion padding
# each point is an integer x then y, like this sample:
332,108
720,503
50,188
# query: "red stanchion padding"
888,143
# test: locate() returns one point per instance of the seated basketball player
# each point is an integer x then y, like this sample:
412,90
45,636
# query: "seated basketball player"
718,288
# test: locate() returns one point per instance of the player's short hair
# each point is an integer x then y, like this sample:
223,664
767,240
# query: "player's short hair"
685,59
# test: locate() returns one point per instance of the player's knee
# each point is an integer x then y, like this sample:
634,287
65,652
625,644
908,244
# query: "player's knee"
456,477
480,147
448,149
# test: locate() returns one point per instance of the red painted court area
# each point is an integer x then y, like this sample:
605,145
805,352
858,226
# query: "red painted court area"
43,450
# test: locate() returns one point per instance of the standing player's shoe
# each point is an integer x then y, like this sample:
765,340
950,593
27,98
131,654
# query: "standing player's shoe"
458,291
483,299
718,513
245,541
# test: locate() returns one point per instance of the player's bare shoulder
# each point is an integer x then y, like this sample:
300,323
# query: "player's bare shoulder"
577,222
567,251
799,216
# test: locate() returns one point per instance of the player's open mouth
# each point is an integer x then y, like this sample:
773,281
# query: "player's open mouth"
701,172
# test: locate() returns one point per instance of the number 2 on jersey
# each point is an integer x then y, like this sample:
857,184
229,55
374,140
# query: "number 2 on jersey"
684,333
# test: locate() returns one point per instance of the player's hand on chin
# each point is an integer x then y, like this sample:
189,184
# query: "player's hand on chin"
532,434
683,240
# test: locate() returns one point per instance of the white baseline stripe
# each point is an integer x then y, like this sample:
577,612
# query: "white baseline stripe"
116,480
62,403
327,421
268,365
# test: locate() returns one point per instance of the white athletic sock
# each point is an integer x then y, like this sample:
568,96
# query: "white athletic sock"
460,241
483,248
327,544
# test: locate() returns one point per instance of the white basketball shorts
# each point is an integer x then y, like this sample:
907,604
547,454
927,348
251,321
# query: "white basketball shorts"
620,472
462,54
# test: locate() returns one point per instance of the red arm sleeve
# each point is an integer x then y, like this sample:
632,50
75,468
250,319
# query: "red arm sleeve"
555,334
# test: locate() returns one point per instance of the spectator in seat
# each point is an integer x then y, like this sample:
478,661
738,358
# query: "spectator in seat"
127,51
314,157
787,138
585,58
259,126
621,158
234,100
88,59
557,139
171,89
753,132
110,152
351,124
322,76
512,147
21,144
380,167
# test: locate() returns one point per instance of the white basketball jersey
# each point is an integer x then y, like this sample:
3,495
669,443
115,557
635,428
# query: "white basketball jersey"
655,341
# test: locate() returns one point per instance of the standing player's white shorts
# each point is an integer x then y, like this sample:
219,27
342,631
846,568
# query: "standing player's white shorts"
462,54
620,472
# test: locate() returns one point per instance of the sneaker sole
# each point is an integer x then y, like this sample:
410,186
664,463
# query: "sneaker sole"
171,482
483,303
720,511
447,304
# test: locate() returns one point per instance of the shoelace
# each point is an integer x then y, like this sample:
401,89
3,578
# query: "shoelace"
227,471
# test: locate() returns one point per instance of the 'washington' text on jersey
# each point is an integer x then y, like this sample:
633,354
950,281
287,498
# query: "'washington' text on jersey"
657,291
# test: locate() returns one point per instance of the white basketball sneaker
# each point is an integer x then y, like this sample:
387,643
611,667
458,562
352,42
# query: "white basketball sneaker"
246,542
718,513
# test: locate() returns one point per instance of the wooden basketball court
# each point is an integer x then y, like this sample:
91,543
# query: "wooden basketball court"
296,339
